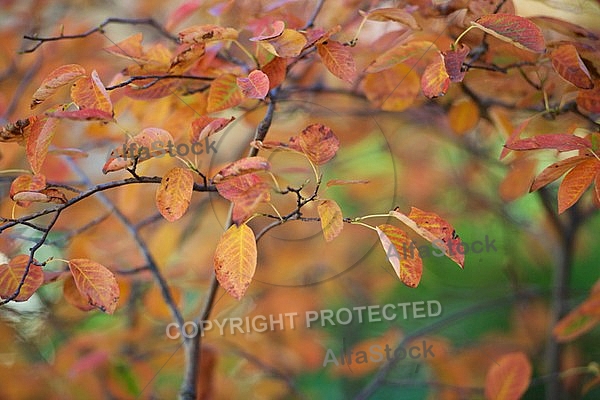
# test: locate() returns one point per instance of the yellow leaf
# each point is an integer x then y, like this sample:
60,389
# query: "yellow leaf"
332,221
174,194
401,253
96,283
235,260
289,44
224,93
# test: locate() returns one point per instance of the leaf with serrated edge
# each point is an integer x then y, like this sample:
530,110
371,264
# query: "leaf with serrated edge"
174,194
38,141
235,260
332,220
435,230
12,273
404,258
513,29
576,182
96,283
508,378
338,60
555,171
61,76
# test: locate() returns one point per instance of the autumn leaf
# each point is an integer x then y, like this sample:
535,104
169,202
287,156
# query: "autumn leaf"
12,273
224,93
130,48
255,86
453,62
463,116
26,184
558,141
96,283
89,93
338,59
74,297
435,230
289,44
508,378
397,246
271,32
555,171
513,29
392,14
207,33
393,89
570,66
435,79
174,194
589,100
409,53
187,57
242,166
62,76
319,143
275,71
246,192
576,182
574,324
38,141
87,114
332,220
235,260
149,143
206,126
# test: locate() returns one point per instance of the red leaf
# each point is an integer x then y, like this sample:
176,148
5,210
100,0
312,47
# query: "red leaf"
557,141
318,142
255,86
508,378
568,64
275,30
338,59
555,171
589,100
87,114
276,71
576,182
516,30
435,80
453,62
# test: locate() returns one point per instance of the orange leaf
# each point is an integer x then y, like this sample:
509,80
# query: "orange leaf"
275,71
87,114
187,57
207,33
73,297
96,283
555,171
149,143
174,194
242,166
338,59
435,230
53,196
570,66
12,273
392,14
89,93
463,116
393,89
408,53
255,86
513,29
332,220
235,260
395,243
38,140
61,76
557,141
576,182
289,44
224,93
574,324
318,142
509,378
26,183
130,48
453,62
205,126
589,100
435,80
